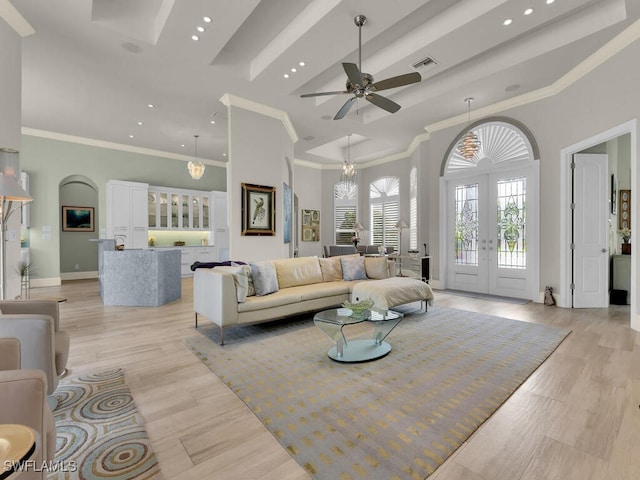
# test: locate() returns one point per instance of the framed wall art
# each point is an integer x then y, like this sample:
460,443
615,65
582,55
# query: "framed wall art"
310,225
77,219
286,207
625,209
258,210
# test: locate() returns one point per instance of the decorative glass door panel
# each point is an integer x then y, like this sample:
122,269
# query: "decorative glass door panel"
490,234
466,226
511,243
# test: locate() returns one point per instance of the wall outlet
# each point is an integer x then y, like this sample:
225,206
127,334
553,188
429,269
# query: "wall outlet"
77,267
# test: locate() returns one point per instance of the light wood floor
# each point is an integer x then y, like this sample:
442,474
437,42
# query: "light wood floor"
577,417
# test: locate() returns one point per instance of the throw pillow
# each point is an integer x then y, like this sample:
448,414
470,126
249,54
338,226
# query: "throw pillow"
376,267
247,268
240,279
331,269
353,268
264,276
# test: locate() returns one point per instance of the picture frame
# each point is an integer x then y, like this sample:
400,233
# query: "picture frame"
286,208
77,219
258,210
625,209
310,225
614,194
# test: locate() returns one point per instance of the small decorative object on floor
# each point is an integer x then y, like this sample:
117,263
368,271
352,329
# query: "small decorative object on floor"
548,296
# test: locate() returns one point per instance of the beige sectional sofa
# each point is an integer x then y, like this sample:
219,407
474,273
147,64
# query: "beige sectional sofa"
304,284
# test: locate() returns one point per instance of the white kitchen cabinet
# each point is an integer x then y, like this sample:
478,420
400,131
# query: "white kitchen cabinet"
127,213
220,227
178,209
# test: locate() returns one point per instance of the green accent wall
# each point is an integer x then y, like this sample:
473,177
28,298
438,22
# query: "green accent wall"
50,163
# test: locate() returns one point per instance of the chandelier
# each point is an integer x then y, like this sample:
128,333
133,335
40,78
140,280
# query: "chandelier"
196,168
469,144
348,169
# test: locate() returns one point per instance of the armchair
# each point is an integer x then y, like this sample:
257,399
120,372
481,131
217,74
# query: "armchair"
23,396
43,307
38,345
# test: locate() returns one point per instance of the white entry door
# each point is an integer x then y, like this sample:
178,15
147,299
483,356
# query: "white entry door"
590,241
492,233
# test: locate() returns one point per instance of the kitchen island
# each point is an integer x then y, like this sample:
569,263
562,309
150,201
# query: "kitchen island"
140,277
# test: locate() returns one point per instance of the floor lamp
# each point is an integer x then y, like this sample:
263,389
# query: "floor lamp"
400,225
10,191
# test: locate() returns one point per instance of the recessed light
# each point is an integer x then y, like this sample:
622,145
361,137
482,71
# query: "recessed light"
195,38
200,29
140,123
182,145
130,136
302,64
549,2
224,154
151,105
212,122
528,11
207,19
507,22
294,70
512,88
286,75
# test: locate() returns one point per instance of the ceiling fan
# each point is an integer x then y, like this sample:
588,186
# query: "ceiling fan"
362,84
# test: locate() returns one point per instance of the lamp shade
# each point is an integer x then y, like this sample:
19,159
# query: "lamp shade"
10,190
358,227
402,224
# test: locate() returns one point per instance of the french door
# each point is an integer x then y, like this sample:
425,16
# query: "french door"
492,230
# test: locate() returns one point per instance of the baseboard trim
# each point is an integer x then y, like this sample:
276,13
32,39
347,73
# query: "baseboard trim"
78,275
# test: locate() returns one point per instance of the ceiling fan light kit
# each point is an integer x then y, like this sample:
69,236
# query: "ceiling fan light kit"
362,85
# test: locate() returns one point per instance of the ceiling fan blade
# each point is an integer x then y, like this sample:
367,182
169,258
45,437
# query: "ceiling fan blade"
383,102
399,81
345,108
319,94
353,72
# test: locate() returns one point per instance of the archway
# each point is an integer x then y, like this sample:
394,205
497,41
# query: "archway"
490,215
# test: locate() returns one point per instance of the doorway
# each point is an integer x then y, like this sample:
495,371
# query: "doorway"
491,214
566,225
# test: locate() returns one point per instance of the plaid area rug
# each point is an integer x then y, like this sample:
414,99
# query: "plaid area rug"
100,433
398,417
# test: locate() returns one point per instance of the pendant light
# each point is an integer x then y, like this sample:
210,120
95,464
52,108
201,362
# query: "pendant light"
469,144
196,168
348,170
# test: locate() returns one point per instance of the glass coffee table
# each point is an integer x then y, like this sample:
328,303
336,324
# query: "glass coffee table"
332,323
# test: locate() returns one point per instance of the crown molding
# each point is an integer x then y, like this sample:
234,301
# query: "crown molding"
115,146
230,100
15,19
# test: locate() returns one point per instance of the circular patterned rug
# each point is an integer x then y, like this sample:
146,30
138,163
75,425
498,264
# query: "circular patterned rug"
100,433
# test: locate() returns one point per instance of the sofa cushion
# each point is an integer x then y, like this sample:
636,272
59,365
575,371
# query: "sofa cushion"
331,269
325,289
264,276
241,280
376,267
292,272
353,268
276,299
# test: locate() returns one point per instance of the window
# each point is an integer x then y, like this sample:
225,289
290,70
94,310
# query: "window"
384,198
345,211
413,209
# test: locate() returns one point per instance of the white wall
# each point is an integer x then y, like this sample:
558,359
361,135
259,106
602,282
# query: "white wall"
258,150
10,124
308,189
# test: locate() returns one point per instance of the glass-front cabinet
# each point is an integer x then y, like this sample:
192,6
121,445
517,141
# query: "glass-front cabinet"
174,209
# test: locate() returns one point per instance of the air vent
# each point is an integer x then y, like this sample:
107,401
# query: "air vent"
308,138
424,63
